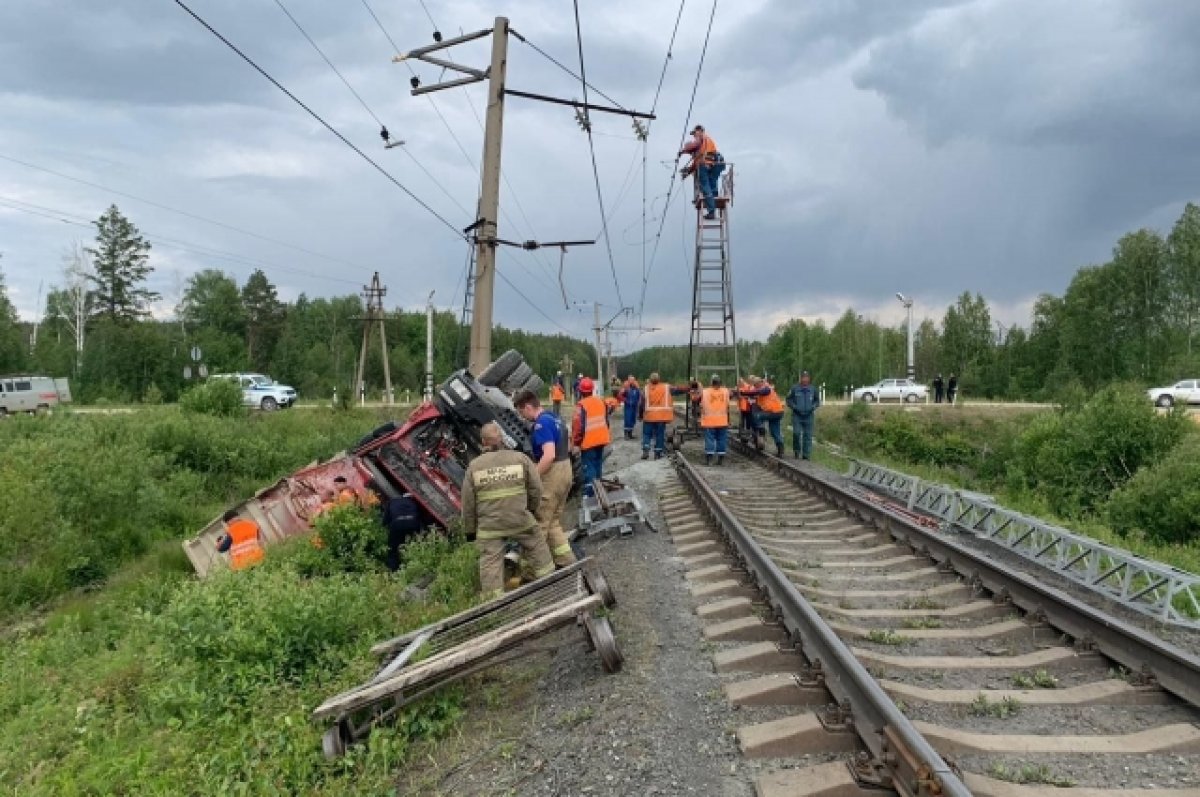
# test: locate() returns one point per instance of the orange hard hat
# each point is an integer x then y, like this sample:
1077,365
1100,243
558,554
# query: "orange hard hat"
585,385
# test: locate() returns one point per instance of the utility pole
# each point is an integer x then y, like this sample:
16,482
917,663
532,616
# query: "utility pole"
373,294
599,351
908,305
485,227
429,347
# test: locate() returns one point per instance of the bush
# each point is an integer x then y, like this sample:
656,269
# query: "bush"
218,397
352,540
1162,501
1079,456
152,395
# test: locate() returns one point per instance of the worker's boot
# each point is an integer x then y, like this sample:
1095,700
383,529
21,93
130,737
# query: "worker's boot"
708,459
779,451
646,454
658,455
720,460
710,215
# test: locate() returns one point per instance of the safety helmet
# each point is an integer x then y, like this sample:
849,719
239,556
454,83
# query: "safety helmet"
586,385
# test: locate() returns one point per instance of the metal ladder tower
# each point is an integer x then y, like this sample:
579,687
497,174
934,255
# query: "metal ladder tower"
713,347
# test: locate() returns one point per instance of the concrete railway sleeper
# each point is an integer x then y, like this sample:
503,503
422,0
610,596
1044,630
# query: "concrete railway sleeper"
854,633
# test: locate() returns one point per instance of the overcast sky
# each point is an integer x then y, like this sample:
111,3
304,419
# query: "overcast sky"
923,146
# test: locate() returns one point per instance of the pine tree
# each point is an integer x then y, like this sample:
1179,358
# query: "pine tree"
264,318
120,268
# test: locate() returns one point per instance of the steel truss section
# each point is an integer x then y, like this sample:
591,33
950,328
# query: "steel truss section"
1160,591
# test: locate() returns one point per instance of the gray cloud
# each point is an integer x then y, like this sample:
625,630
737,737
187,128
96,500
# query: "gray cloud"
930,147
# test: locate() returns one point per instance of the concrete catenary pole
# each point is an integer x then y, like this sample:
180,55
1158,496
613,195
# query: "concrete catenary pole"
599,349
429,347
489,203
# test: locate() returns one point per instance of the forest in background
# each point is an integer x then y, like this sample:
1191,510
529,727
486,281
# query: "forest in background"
1134,318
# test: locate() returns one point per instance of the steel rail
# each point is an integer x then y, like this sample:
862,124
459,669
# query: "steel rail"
912,765
1173,668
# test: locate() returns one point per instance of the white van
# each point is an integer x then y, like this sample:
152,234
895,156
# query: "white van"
21,393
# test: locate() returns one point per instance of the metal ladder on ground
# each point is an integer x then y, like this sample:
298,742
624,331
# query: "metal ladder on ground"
713,346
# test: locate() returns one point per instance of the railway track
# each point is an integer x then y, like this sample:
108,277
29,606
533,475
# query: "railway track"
867,650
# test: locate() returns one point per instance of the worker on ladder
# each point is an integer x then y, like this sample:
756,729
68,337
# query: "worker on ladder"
707,163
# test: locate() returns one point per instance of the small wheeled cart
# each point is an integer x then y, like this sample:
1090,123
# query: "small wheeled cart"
422,661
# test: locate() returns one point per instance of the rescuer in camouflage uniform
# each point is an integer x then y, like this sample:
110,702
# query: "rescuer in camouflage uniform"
500,492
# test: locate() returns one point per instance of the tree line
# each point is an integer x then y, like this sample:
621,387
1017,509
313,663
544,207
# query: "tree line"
1133,318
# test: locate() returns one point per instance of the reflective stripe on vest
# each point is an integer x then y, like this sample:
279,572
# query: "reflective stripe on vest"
245,549
770,402
658,403
714,408
595,430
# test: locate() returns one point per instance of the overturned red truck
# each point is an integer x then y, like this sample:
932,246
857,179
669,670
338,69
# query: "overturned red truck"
426,456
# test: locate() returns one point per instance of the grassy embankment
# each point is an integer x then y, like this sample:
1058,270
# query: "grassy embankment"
1110,467
122,673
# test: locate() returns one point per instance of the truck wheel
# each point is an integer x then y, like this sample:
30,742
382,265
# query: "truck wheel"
535,385
500,369
269,404
519,376
1163,401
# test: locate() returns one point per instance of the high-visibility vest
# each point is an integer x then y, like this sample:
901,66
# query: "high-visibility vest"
658,403
694,394
743,401
714,408
706,153
556,392
595,429
245,549
770,402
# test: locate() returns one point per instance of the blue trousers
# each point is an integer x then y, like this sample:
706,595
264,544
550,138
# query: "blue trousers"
716,440
708,177
630,418
592,460
802,431
656,431
773,421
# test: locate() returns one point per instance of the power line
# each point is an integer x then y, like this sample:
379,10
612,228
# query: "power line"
595,170
528,301
687,119
670,47
314,115
561,66
321,53
184,213
66,217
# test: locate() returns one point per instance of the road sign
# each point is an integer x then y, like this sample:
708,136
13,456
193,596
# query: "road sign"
196,354
187,372
203,371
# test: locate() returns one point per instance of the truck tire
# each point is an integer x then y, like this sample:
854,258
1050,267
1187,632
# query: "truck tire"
501,368
535,385
519,376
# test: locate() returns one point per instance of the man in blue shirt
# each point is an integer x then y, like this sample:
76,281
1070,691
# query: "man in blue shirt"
552,455
631,395
803,399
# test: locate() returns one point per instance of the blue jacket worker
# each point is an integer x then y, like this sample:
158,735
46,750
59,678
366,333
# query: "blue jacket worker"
402,519
803,400
631,396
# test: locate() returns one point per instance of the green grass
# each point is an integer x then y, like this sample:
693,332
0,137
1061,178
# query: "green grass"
1000,709
886,636
1029,773
81,496
1041,679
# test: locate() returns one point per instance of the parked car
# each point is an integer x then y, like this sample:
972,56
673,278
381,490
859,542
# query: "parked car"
892,390
1185,391
261,391
22,393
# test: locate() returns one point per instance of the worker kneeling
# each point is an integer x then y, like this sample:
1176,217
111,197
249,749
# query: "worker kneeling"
500,492
552,459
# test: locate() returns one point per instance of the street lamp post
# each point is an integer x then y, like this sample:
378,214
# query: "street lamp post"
908,305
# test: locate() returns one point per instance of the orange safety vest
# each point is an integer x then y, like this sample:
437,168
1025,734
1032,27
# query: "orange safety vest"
595,430
706,153
556,392
743,401
714,408
659,408
770,402
245,550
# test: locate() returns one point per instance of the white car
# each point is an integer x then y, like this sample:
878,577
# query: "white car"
261,391
891,390
1186,391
